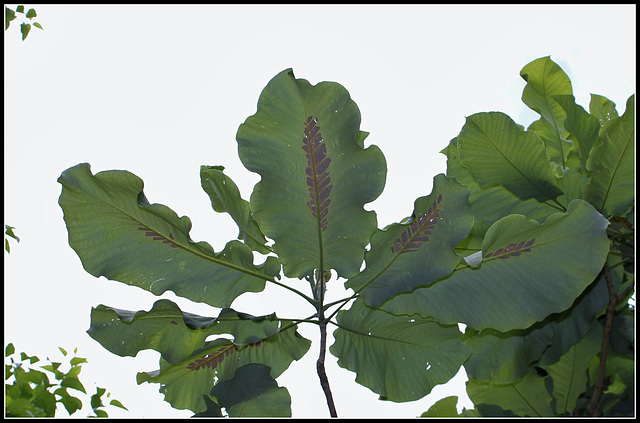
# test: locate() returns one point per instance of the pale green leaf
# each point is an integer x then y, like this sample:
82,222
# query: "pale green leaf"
399,358
496,152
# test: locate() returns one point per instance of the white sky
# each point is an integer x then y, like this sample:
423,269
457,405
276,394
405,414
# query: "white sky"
161,90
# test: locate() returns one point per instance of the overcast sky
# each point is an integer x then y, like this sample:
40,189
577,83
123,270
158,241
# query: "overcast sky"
161,90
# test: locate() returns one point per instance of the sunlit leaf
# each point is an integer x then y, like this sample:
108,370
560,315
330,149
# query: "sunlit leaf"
611,186
496,151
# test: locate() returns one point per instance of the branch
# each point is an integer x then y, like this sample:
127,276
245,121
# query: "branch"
324,381
608,325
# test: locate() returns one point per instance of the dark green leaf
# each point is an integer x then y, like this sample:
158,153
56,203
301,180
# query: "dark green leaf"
31,14
399,358
502,358
252,392
9,349
118,234
305,143
20,9
527,397
531,270
74,383
420,250
569,374
225,197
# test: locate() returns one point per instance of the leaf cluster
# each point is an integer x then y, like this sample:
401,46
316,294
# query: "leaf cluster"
25,27
526,242
29,391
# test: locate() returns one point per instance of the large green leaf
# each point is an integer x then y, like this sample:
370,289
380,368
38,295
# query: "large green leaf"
185,384
253,393
488,205
225,197
172,332
528,269
545,80
305,143
569,374
119,235
419,251
496,151
526,397
398,357
611,187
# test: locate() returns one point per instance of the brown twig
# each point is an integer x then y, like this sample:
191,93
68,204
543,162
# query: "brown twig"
324,381
608,325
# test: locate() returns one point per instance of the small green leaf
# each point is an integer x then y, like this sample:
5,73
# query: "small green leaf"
37,25
10,349
63,351
31,13
20,9
73,383
9,15
24,29
117,403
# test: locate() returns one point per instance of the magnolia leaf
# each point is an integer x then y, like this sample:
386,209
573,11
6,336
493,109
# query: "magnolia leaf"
225,197
531,270
569,373
399,358
173,333
502,358
118,234
602,108
545,80
187,383
583,127
304,141
420,250
611,186
252,392
526,397
489,204
496,151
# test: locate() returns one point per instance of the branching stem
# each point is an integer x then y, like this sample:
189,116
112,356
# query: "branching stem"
608,325
322,374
